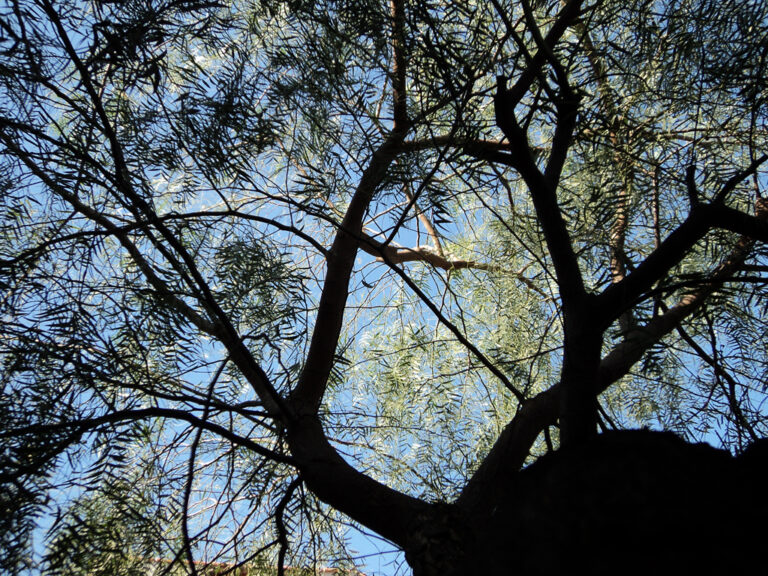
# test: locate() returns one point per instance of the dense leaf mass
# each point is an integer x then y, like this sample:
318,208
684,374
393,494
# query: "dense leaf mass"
275,269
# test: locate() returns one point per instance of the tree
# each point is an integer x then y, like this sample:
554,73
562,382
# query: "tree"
272,267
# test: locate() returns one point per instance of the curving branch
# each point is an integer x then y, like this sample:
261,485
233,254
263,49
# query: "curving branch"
308,394
322,468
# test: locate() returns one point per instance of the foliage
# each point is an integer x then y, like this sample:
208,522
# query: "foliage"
261,262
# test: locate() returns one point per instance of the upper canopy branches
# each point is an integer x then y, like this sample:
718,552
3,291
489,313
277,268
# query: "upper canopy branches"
388,246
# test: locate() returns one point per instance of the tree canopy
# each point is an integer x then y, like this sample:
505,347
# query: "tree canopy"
269,268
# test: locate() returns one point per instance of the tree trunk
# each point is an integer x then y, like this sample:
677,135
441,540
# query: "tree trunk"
581,363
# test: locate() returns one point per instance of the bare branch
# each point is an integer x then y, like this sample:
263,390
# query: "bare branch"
399,73
85,425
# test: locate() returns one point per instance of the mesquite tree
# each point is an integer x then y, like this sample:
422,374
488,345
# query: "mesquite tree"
269,268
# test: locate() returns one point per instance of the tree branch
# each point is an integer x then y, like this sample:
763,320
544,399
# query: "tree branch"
567,16
618,362
309,391
335,482
308,394
85,425
399,73
618,297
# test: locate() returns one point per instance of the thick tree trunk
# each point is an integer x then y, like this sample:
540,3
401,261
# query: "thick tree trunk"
578,380
625,503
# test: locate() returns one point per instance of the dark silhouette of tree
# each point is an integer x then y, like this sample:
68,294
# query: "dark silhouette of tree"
271,268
